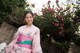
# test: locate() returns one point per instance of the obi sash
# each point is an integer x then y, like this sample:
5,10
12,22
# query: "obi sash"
24,41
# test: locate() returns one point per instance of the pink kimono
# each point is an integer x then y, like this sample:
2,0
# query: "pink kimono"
26,40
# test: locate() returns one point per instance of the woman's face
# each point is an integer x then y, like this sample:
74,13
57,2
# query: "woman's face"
29,18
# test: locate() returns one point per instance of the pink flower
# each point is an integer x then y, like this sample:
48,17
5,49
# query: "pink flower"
57,1
62,25
35,13
57,9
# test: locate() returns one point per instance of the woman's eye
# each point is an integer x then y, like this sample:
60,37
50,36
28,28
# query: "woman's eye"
31,17
26,17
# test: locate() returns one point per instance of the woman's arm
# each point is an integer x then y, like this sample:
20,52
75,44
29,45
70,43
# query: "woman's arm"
36,47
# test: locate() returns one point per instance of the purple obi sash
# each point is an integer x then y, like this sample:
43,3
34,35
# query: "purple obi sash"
24,41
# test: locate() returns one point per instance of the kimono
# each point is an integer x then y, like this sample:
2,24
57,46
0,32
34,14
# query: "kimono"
26,40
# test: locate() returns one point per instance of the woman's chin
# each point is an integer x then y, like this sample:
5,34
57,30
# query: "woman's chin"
29,24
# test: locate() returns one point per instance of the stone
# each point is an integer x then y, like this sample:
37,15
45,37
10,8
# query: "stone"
74,49
6,32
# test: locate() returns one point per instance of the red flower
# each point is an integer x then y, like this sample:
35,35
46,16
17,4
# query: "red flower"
49,9
53,10
49,1
57,1
59,16
60,8
35,14
60,33
62,25
55,24
43,11
61,28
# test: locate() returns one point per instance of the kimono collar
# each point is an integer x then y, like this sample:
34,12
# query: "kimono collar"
29,25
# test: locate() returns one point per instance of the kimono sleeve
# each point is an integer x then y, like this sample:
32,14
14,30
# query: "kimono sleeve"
16,34
36,47
12,43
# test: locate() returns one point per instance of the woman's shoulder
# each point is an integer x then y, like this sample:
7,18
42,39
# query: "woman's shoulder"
21,27
35,27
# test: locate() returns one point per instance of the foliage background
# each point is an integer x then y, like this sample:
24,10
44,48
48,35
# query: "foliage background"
59,27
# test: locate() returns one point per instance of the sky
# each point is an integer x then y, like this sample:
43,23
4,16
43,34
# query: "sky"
39,4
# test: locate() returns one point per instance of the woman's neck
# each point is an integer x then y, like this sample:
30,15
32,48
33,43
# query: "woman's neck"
29,25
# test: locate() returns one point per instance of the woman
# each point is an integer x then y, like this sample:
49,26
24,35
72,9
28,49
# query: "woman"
27,37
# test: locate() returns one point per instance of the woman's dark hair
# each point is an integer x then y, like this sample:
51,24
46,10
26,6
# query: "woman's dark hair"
26,12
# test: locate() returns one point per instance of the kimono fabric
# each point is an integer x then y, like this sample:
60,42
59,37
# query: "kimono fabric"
26,40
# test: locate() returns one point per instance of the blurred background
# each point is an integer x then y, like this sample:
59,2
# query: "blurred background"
58,20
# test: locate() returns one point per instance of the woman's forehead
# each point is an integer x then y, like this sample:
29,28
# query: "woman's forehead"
28,14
